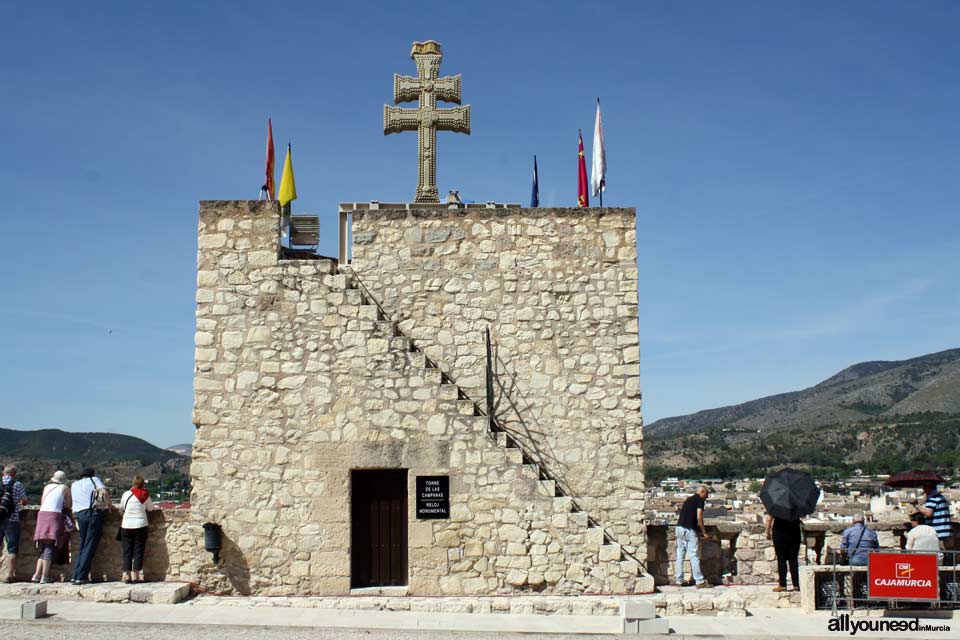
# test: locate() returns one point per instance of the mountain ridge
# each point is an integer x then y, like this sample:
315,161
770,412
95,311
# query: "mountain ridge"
866,389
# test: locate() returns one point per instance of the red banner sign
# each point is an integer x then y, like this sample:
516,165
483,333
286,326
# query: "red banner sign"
903,576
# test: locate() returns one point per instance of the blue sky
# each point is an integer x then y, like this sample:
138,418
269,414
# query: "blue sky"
794,167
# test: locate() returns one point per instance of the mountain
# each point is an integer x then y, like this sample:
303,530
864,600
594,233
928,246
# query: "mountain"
865,390
182,449
117,458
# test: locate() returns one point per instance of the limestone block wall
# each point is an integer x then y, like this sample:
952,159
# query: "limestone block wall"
298,381
739,553
173,552
558,290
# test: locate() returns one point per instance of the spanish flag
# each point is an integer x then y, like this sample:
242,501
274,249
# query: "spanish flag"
288,188
583,186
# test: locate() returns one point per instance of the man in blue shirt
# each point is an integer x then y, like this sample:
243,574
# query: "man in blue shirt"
936,510
11,526
857,541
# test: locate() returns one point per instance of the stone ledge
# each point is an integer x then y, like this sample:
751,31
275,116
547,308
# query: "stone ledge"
147,593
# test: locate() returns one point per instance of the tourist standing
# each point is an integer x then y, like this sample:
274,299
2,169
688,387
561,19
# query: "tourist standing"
91,501
17,497
786,536
921,536
51,532
857,541
936,510
687,532
135,504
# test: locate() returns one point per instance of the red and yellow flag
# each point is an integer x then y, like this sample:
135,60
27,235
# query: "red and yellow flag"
270,185
583,185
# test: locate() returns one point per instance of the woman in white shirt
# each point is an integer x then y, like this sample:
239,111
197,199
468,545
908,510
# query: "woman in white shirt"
51,530
135,504
921,536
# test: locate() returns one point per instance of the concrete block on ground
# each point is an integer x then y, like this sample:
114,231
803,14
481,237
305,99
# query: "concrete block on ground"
33,610
633,610
652,627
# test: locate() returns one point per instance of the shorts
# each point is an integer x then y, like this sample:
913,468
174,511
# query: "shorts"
11,533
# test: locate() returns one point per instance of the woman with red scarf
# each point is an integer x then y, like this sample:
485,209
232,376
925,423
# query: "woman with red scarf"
135,504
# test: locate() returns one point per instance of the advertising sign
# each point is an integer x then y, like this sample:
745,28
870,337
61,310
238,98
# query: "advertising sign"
903,576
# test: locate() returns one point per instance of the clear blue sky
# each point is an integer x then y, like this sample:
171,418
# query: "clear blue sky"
794,167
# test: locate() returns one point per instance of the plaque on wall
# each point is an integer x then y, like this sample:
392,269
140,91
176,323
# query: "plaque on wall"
433,497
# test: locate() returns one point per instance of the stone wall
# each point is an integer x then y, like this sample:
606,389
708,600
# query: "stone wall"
739,553
557,289
174,549
300,380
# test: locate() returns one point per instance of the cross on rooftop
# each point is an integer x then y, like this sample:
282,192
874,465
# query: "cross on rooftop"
426,119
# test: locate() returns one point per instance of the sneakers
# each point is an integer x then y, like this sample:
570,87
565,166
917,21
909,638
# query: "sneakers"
46,580
685,583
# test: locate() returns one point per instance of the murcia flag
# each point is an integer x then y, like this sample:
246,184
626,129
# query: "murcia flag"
270,186
288,188
583,197
598,174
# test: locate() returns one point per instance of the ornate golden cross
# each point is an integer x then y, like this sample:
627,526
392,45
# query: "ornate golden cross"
426,119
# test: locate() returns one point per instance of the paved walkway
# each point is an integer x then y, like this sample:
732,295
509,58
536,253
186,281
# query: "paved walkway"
100,621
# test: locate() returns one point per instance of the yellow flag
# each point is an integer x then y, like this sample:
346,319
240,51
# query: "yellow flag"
288,188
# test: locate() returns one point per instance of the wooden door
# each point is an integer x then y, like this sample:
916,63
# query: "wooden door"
378,528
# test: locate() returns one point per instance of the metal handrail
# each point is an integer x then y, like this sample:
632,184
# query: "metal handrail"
544,469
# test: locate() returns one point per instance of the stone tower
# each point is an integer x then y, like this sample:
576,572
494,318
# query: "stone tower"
343,438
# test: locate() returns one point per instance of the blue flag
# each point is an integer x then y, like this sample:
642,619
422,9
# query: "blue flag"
535,194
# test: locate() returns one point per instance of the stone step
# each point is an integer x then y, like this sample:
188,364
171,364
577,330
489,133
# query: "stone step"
354,297
449,392
548,488
400,344
416,359
467,408
562,504
514,456
531,471
369,312
338,282
433,376
610,552
384,328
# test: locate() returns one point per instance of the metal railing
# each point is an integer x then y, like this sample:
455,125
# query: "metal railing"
531,450
846,587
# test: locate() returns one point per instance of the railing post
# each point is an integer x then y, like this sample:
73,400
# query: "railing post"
489,382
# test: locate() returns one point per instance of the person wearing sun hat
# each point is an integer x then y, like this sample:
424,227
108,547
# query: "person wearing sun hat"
51,532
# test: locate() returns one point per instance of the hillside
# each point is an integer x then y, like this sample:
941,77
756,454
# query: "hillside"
875,445
117,458
883,389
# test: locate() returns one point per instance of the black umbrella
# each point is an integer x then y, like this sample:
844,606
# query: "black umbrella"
790,494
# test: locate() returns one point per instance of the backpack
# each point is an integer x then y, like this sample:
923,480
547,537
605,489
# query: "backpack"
7,504
100,498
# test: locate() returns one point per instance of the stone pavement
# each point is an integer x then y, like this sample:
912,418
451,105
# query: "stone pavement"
100,621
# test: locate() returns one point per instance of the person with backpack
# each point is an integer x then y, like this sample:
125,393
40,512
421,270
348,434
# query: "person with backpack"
134,528
12,497
91,501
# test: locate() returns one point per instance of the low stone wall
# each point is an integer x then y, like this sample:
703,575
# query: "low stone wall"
739,553
174,549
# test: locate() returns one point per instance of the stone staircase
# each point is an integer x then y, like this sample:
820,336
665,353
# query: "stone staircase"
600,564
